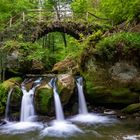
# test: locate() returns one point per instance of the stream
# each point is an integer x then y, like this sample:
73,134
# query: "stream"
117,130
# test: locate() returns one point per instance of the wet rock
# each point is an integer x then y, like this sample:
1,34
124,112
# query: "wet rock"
12,83
66,86
15,101
109,112
111,96
133,108
44,102
43,99
3,122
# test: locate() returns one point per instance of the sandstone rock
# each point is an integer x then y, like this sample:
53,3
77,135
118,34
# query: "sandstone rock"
67,66
66,86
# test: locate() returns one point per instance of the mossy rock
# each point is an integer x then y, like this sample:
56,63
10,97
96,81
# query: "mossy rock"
104,95
4,89
103,88
133,108
15,101
43,99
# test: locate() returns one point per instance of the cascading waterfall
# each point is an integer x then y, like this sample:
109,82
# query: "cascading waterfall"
84,116
59,127
8,105
58,107
82,102
27,107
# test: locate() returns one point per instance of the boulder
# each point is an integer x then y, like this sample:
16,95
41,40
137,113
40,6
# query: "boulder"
133,108
17,64
66,86
44,102
66,66
109,83
43,99
12,83
123,71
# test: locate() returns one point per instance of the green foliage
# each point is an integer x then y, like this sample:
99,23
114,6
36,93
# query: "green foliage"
119,10
79,6
61,51
43,100
120,42
10,8
29,51
3,99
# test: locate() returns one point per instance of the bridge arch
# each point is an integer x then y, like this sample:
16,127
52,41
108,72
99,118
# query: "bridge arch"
73,29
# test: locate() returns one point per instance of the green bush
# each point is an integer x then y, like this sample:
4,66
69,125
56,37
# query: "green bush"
119,10
121,43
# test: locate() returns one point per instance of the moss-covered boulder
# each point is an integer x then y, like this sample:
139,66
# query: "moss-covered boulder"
133,108
15,101
21,58
43,99
66,86
104,86
108,96
12,83
111,69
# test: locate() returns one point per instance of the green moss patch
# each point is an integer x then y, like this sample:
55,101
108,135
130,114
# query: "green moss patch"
133,108
4,88
43,98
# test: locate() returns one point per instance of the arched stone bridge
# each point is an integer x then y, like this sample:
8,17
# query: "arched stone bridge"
71,28
31,31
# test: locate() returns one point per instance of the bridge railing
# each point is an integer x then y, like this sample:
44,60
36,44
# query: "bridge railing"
42,15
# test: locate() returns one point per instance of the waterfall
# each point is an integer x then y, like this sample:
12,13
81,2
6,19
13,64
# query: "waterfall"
27,106
84,116
81,98
8,105
58,106
59,127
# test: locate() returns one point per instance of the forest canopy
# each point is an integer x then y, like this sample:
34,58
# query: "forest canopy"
116,10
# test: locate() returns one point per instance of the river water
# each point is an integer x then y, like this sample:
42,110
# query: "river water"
117,130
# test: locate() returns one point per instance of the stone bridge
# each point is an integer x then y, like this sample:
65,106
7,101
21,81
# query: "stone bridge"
74,29
30,31
26,27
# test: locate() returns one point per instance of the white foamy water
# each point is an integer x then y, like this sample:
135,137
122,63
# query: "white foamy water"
20,127
8,105
58,106
84,116
81,98
131,137
60,129
90,118
27,106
